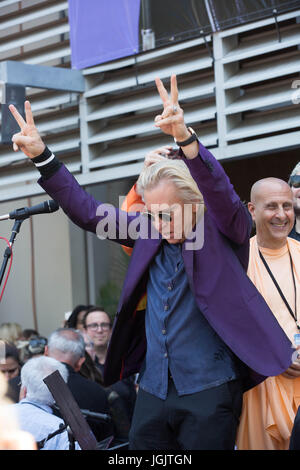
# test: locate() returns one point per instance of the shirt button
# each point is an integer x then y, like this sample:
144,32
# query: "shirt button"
170,287
176,269
164,332
166,307
166,355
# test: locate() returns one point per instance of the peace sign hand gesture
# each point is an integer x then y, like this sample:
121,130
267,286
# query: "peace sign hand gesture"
28,139
171,121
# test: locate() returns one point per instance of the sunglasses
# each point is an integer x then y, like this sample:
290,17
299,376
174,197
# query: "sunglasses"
295,181
163,216
37,345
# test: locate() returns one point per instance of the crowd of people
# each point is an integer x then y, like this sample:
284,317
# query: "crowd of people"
203,350
77,350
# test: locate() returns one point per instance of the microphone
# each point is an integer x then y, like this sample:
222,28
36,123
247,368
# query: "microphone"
25,212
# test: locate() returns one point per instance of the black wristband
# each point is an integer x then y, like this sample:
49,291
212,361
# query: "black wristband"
47,169
188,141
43,156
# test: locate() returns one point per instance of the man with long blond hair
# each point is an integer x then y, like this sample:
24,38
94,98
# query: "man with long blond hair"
205,328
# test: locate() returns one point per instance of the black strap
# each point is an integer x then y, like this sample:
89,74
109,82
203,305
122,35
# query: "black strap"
61,429
294,315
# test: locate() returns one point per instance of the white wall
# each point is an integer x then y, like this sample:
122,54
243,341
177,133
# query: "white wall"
52,266
69,264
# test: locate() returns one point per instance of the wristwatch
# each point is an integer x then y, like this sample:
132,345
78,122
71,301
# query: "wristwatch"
188,141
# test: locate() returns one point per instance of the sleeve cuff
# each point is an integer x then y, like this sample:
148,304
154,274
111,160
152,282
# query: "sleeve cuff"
43,156
47,163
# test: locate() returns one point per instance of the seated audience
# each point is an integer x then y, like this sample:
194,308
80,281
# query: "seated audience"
98,326
67,346
11,437
34,411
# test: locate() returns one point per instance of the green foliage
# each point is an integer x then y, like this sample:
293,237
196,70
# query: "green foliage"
109,293
108,297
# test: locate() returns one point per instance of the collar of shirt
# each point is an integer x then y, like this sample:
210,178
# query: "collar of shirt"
46,408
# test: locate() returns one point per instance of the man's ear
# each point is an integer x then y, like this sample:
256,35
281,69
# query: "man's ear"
78,364
23,393
251,209
46,351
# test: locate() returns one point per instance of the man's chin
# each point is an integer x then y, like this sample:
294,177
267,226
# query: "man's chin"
172,239
280,235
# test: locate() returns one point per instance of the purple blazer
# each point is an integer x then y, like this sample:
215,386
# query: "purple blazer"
216,272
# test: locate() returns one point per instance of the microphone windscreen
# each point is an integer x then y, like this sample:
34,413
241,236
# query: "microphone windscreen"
52,205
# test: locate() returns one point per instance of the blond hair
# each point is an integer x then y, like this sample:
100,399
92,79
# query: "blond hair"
174,171
10,332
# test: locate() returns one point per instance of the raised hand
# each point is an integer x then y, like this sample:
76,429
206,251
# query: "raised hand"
28,139
171,121
157,155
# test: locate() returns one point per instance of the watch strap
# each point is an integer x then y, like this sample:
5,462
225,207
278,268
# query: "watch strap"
188,141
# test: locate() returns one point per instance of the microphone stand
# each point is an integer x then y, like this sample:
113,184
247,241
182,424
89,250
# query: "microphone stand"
20,215
8,252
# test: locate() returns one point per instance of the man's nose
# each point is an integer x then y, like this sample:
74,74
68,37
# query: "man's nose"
281,213
158,223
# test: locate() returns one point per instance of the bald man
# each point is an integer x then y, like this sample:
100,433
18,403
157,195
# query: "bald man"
269,409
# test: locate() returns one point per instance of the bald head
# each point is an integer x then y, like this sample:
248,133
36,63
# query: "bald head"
272,211
267,185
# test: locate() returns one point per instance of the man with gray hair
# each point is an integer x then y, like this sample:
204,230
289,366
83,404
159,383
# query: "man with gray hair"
34,411
67,346
294,182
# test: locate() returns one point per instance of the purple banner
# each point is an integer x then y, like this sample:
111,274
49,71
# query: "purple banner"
103,30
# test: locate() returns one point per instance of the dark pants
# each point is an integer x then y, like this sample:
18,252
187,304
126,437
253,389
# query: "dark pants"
205,420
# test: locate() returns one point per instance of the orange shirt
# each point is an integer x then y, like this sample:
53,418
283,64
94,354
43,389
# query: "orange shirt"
132,203
269,409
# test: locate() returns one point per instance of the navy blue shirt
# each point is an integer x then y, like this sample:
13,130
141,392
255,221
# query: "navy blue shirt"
178,335
294,234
